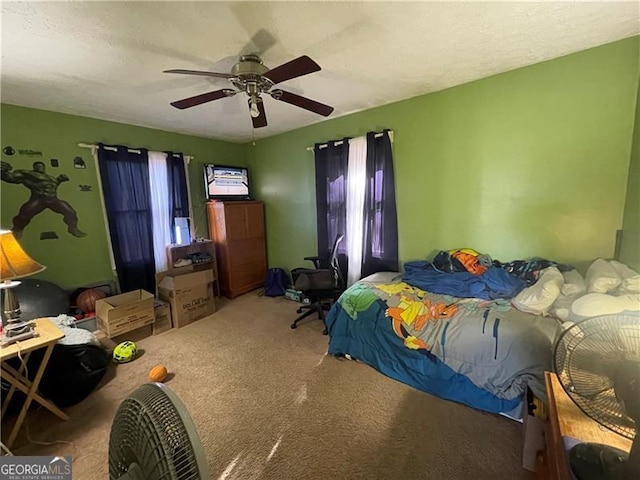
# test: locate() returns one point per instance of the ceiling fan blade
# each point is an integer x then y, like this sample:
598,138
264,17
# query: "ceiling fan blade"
199,72
260,42
302,102
200,99
295,68
261,120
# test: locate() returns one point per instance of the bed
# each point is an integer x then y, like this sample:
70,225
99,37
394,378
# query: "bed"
480,352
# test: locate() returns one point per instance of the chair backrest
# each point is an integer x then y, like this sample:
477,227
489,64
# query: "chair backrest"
333,261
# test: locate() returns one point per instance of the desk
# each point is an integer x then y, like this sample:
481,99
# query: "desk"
565,419
48,335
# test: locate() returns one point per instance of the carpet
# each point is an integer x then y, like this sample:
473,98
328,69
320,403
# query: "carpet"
269,404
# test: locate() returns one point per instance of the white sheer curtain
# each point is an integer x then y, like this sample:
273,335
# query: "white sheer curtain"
162,220
356,183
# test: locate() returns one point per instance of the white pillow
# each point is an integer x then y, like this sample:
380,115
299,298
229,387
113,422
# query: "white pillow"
573,283
594,304
601,277
539,297
562,306
630,278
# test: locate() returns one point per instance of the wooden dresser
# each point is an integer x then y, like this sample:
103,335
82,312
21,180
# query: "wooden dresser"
237,229
565,419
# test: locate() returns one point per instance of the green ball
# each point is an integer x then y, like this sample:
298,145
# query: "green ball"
125,352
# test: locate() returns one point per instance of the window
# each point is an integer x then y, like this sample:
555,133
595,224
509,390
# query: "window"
355,195
144,193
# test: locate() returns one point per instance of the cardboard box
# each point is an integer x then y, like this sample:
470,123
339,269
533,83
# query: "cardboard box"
533,433
123,313
173,271
162,323
133,336
190,296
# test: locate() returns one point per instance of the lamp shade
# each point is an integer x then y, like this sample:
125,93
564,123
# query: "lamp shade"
14,262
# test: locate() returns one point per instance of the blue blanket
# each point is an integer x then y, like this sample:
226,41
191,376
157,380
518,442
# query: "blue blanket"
480,353
493,284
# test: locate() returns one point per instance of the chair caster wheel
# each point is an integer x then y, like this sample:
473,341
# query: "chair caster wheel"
325,332
299,310
293,326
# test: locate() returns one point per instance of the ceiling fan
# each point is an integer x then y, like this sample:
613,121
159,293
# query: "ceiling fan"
252,77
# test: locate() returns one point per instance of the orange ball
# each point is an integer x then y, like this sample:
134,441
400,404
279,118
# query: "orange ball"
158,373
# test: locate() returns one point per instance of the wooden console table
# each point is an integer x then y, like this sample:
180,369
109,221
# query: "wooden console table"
47,336
565,419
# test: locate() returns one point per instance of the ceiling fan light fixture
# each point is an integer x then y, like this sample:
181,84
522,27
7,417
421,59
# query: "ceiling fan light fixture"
253,107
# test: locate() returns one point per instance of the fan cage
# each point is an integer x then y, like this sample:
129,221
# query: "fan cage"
584,356
153,430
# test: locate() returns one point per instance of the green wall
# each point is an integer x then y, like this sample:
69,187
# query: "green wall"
531,162
72,261
630,248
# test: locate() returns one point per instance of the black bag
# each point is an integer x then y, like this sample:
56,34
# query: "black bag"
276,282
73,372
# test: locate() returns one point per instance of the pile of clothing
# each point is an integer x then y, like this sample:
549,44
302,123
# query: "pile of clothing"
462,260
466,273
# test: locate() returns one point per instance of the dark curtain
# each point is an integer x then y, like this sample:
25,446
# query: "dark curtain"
178,193
125,186
331,195
380,252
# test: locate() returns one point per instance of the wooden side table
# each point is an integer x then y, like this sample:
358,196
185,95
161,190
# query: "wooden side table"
47,336
565,419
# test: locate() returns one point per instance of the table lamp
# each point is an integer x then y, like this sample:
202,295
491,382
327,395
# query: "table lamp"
14,263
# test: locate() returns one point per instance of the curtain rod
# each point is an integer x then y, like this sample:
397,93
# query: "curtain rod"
188,158
340,142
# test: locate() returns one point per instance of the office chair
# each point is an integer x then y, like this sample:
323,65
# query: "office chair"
322,285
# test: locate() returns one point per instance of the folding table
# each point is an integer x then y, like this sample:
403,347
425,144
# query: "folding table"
47,336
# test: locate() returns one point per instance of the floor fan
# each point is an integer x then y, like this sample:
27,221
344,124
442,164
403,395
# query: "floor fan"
597,362
153,438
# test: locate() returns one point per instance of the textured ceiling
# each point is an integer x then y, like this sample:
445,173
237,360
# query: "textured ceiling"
105,59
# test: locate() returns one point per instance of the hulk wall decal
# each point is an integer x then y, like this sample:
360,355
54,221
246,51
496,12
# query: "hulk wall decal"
44,194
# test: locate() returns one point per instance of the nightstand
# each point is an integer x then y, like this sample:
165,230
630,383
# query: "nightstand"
566,424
